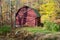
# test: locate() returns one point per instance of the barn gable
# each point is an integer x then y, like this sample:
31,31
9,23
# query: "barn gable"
37,13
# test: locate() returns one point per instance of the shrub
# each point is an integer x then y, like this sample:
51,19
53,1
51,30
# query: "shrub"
5,29
51,26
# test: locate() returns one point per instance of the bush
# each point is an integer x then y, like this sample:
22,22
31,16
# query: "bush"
51,26
5,29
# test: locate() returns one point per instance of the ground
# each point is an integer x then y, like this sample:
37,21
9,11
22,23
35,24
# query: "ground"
31,33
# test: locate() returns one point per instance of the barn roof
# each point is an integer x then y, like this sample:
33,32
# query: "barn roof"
35,10
37,13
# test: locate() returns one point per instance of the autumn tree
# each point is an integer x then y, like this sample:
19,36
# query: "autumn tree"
48,10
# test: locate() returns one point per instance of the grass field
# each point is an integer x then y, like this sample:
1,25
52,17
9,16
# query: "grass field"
35,30
49,27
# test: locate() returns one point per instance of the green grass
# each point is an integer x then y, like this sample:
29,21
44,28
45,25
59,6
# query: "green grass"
51,26
35,30
5,29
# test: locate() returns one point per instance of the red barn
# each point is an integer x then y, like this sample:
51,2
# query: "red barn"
27,16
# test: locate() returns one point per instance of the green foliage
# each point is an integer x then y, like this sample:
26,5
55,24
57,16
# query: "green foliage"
51,26
5,29
36,30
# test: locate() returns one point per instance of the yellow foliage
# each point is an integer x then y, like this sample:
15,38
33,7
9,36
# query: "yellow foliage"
47,10
44,17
